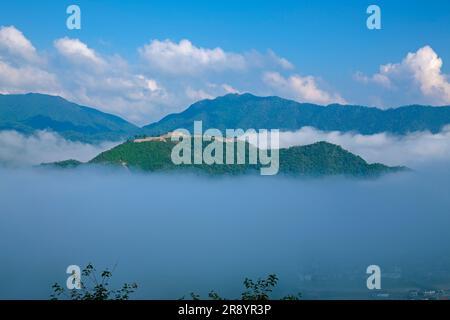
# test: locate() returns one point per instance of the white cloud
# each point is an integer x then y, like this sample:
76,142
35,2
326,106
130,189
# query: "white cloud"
21,68
77,51
426,66
133,97
26,79
283,62
14,43
211,91
414,149
303,89
186,58
378,78
229,89
199,94
108,83
421,69
152,85
17,149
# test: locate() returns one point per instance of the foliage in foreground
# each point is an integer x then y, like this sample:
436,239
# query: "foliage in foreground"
254,290
96,287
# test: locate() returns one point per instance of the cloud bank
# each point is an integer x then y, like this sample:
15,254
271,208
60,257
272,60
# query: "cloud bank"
414,150
17,149
327,230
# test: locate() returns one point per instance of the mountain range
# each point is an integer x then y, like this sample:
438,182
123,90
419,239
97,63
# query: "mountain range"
248,111
29,112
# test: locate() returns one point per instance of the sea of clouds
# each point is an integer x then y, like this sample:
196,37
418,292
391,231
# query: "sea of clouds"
17,149
177,234
414,150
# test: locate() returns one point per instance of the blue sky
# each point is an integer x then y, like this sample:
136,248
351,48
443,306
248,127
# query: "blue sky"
326,43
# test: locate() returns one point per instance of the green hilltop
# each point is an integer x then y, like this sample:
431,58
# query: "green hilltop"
318,159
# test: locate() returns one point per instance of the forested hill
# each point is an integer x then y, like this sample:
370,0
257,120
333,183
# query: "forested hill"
318,159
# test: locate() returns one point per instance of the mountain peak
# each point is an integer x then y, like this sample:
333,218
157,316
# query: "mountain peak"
29,112
247,111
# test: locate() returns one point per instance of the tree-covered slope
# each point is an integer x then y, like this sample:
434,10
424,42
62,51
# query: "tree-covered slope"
29,112
324,158
70,163
248,111
319,159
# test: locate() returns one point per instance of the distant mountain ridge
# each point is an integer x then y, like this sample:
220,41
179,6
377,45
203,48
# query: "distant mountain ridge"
27,113
248,111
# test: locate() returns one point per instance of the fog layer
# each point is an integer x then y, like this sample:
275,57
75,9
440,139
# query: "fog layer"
416,149
19,150
177,234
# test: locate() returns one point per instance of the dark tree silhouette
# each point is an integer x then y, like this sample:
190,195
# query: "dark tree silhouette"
96,287
254,290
